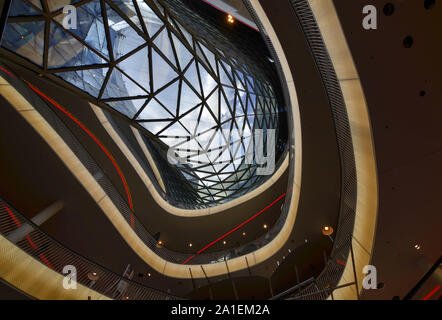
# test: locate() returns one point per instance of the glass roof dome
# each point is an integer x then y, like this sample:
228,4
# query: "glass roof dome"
141,60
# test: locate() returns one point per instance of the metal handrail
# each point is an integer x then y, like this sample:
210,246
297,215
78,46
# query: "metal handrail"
333,270
55,256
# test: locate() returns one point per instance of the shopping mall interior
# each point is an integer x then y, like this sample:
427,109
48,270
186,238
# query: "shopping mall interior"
220,150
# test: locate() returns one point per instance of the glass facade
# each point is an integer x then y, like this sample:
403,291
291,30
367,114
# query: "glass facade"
192,91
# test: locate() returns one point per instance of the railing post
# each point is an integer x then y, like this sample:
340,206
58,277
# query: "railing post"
233,282
208,281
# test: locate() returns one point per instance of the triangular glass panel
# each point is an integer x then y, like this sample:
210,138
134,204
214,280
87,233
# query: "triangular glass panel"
192,76
162,71
162,41
90,27
189,99
136,66
210,57
186,34
89,81
119,85
206,121
25,39
127,6
212,103
154,126
127,107
207,81
153,111
184,55
176,129
224,78
55,5
66,51
19,8
190,120
169,97
152,22
123,37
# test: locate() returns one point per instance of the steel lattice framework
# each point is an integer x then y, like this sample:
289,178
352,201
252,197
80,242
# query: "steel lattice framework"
140,59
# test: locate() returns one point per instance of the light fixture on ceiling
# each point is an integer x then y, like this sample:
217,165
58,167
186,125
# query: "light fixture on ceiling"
230,19
160,244
417,246
327,231
190,244
149,274
224,242
93,276
243,233
264,226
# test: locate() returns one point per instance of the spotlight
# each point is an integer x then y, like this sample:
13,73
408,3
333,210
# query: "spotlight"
230,19
190,245
93,276
327,230
224,242
417,246
264,226
243,233
160,244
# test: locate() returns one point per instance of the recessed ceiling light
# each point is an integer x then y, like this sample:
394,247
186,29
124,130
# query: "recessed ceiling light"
243,233
327,230
264,226
190,244
417,246
224,242
149,274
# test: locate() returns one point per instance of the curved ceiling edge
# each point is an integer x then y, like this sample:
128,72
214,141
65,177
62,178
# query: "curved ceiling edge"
159,199
16,264
143,251
366,173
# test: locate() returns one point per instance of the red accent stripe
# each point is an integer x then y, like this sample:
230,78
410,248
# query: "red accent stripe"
27,236
31,242
7,72
46,261
92,136
340,262
428,296
236,228
12,215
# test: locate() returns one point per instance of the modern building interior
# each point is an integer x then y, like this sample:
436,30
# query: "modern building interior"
220,150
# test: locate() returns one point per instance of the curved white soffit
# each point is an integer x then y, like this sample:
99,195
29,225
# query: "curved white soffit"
366,173
85,178
190,213
27,274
